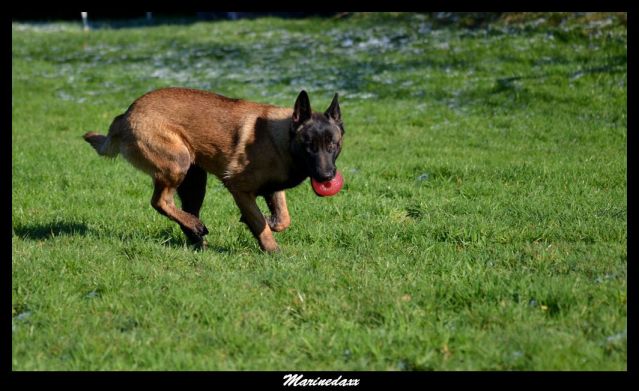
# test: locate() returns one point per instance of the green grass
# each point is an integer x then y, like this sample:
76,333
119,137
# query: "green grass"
482,225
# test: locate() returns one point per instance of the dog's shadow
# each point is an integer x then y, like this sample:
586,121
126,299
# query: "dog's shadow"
50,230
46,231
177,241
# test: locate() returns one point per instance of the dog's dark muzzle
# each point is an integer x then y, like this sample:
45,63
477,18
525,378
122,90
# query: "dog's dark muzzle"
325,176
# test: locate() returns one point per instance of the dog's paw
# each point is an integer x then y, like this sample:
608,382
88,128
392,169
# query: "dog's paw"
276,224
200,229
195,234
270,248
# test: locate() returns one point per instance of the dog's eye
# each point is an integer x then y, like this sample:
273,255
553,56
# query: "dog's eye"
331,147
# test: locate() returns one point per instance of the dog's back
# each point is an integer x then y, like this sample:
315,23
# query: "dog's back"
206,129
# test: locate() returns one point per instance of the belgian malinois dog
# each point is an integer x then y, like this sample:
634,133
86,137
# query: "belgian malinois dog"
178,135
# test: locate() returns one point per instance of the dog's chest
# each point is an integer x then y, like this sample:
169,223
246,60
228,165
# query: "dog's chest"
293,179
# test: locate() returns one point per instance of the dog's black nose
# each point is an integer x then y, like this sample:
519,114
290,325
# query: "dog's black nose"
326,176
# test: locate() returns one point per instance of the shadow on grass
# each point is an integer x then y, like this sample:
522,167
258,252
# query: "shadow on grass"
50,230
178,241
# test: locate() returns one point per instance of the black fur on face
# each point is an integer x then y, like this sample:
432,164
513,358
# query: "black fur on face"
316,139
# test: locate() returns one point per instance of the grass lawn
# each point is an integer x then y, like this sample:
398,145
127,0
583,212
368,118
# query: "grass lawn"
482,225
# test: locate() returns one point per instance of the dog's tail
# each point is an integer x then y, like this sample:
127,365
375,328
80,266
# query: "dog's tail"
108,145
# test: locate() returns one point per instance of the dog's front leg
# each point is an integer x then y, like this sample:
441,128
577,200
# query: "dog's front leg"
279,219
253,217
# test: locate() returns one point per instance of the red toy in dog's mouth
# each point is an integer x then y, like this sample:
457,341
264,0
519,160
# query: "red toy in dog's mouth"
328,188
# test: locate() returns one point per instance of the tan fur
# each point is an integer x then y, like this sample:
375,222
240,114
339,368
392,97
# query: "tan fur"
244,144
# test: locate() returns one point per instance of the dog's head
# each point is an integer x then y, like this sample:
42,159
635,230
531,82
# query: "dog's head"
316,139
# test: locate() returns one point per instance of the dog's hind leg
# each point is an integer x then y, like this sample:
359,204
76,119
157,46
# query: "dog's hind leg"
191,192
167,161
279,219
162,201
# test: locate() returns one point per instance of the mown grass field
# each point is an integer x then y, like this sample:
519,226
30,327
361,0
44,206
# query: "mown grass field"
482,225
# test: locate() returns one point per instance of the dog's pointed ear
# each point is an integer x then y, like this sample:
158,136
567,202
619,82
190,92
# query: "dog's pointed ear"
302,109
333,110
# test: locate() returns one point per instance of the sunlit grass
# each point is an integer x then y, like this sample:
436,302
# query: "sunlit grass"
482,224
